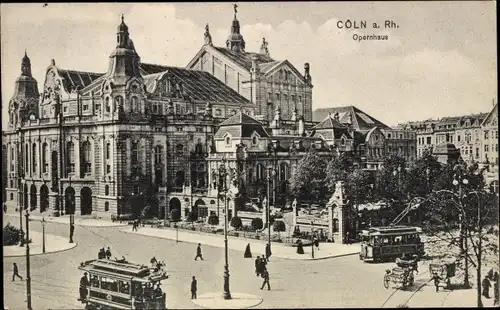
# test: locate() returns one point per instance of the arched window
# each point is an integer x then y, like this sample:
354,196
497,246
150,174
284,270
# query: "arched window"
106,190
26,158
158,154
86,157
45,155
33,158
228,140
136,190
135,105
70,150
254,140
107,104
260,172
134,156
106,206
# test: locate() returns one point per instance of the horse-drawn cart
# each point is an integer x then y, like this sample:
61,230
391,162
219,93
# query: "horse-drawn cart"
441,274
400,276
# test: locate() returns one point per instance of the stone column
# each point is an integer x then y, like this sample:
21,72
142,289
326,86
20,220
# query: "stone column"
342,223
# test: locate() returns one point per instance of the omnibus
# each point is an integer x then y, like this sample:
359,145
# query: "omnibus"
118,284
388,243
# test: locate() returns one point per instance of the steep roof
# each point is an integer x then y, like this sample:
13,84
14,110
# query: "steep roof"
329,123
493,111
240,125
360,120
244,59
73,79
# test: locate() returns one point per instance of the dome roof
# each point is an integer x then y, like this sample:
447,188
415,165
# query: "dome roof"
122,27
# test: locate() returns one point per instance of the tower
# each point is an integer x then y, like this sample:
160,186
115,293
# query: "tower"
124,61
24,102
235,41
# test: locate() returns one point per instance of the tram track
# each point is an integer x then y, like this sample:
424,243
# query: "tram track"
400,290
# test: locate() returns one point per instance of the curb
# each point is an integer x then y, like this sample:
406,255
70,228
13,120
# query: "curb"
236,238
46,253
219,303
77,221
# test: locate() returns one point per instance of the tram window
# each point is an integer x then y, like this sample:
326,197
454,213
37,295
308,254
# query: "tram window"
94,281
385,241
124,287
109,284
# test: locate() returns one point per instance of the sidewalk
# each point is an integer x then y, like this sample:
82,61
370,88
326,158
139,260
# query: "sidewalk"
326,250
79,221
53,244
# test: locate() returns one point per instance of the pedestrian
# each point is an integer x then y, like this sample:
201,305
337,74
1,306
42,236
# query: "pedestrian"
84,283
268,251
496,292
198,252
108,253
486,287
16,273
262,265
5,208
248,253
265,276
300,248
134,225
194,288
435,277
257,266
316,243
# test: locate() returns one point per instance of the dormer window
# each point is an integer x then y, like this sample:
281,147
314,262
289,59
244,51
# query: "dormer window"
228,140
342,141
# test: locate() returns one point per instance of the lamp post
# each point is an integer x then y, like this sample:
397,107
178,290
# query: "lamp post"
28,273
223,185
464,245
312,234
270,172
71,210
43,234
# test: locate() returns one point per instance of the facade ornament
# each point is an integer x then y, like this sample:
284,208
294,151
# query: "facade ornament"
208,37
263,48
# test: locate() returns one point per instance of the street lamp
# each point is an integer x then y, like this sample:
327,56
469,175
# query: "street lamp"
312,239
270,172
43,235
223,185
28,271
71,214
464,245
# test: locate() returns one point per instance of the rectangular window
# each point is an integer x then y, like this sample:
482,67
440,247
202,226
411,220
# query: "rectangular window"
293,98
134,158
277,97
269,97
85,107
300,99
65,109
108,169
155,108
97,106
486,135
198,129
429,140
486,149
285,98
179,128
108,150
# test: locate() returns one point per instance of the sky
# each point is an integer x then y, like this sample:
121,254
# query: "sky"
439,61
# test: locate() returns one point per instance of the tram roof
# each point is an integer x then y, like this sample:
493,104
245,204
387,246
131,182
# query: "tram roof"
392,230
121,269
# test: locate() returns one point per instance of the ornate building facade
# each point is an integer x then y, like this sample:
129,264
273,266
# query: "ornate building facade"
266,82
116,141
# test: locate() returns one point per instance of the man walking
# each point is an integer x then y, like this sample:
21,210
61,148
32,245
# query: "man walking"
134,225
486,287
268,251
16,273
198,252
265,276
257,266
194,288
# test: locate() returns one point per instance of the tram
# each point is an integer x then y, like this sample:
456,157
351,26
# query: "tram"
390,242
118,284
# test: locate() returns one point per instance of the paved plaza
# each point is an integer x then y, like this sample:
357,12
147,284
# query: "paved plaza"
334,282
